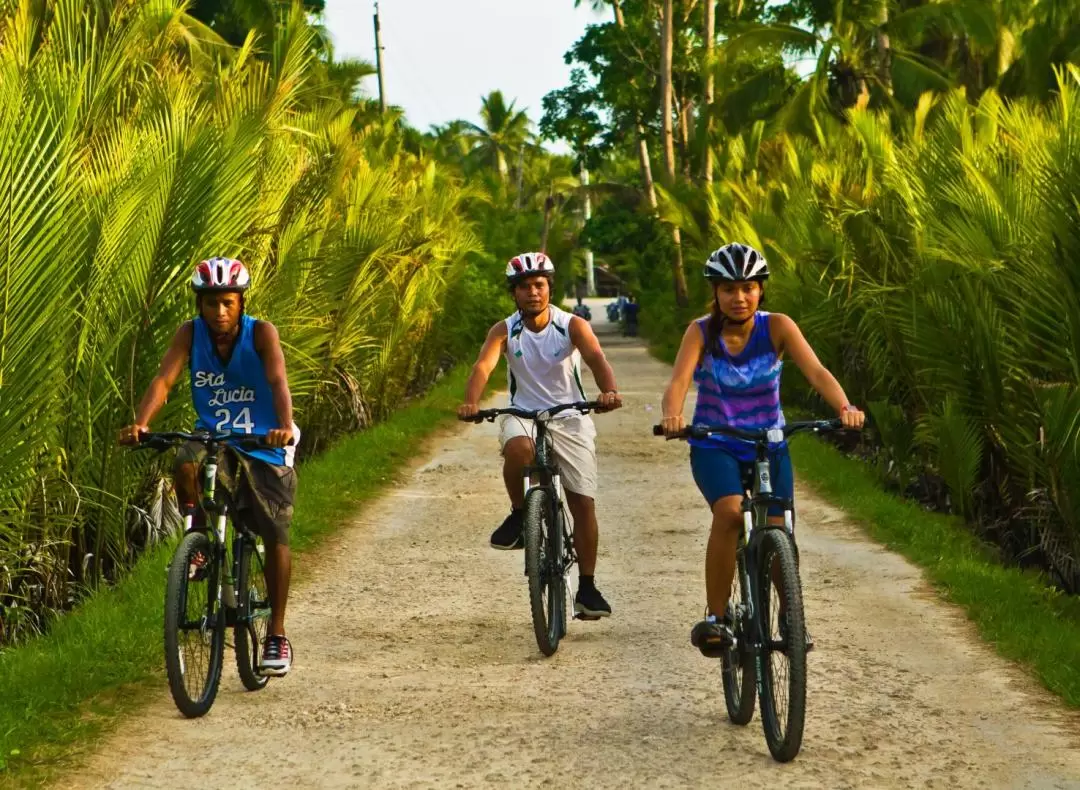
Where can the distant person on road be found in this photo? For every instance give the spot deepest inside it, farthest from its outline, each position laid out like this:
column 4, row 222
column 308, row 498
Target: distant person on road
column 735, row 355
column 630, row 316
column 544, row 347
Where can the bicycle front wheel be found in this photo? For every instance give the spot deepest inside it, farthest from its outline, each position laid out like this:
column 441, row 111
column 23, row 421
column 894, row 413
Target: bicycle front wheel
column 194, row 626
column 783, row 650
column 737, row 662
column 252, row 613
column 546, row 590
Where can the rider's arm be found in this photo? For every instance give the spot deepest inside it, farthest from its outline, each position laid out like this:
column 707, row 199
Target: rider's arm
column 584, row 340
column 268, row 346
column 485, row 363
column 172, row 365
column 682, row 376
column 788, row 339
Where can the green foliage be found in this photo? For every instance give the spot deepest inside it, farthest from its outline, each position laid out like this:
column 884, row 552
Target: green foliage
column 133, row 145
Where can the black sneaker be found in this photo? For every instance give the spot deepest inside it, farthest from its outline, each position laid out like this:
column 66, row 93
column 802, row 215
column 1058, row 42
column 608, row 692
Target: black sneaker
column 712, row 636
column 510, row 534
column 276, row 657
column 590, row 604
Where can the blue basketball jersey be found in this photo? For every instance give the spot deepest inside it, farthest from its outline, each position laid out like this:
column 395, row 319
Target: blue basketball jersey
column 234, row 397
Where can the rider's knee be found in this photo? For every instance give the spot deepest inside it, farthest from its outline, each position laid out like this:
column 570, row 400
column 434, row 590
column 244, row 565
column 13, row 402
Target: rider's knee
column 518, row 451
column 727, row 514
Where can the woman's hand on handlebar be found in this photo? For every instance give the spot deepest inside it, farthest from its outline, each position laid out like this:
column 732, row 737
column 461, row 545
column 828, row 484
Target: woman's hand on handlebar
column 673, row 425
column 852, row 417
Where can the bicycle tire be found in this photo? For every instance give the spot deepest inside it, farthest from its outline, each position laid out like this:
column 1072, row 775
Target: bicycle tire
column 252, row 615
column 783, row 729
column 557, row 599
column 737, row 663
column 177, row 595
column 537, row 566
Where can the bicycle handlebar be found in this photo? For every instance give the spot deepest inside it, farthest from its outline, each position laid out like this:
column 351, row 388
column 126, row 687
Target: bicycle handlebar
column 757, row 436
column 538, row 414
column 163, row 440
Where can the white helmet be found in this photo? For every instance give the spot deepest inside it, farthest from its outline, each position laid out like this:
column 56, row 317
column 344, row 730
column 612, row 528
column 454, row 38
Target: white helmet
column 220, row 274
column 529, row 264
column 736, row 263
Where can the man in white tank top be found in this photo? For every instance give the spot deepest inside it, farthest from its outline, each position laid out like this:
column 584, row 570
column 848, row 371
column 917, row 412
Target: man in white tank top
column 544, row 347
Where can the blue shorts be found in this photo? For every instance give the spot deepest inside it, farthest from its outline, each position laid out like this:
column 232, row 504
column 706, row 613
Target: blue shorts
column 718, row 473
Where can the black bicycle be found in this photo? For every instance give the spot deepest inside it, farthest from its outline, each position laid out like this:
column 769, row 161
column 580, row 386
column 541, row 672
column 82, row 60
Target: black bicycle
column 549, row 531
column 766, row 604
column 206, row 593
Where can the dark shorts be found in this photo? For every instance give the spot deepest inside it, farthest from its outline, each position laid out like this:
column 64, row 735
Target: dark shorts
column 718, row 474
column 256, row 492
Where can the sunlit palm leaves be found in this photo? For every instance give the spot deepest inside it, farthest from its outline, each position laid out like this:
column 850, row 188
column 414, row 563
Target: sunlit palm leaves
column 132, row 144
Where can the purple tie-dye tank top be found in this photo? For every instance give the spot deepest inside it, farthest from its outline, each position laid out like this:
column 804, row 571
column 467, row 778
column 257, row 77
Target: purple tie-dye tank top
column 741, row 390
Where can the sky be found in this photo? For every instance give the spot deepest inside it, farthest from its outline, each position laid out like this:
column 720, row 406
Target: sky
column 441, row 56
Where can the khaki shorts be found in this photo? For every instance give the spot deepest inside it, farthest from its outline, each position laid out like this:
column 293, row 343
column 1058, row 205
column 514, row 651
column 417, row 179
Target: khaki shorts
column 574, row 440
column 260, row 493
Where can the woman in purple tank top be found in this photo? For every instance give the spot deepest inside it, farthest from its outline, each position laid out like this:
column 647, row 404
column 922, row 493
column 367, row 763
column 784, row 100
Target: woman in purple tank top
column 735, row 355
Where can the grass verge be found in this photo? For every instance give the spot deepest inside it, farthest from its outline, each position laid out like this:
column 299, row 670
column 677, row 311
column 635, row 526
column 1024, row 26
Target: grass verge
column 1016, row 611
column 63, row 689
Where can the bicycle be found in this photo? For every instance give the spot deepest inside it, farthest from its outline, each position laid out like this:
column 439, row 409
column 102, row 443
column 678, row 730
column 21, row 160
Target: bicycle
column 235, row 595
column 549, row 532
column 766, row 555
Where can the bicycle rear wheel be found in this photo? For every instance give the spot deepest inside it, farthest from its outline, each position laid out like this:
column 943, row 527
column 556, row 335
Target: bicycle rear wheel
column 194, row 626
column 546, row 591
column 737, row 663
column 783, row 654
column 252, row 613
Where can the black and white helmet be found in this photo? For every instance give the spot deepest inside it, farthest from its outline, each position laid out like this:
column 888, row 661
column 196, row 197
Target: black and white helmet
column 736, row 262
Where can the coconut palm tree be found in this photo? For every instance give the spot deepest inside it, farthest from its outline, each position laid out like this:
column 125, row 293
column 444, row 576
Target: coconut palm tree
column 502, row 133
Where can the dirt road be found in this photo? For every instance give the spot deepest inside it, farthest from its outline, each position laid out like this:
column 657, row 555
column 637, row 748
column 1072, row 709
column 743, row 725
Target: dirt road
column 416, row 664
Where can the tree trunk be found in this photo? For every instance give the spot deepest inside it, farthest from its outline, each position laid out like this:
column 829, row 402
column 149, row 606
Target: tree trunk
column 686, row 112
column 667, row 139
column 646, row 166
column 668, row 142
column 710, row 88
column 642, row 139
column 500, row 161
column 549, row 205
column 884, row 51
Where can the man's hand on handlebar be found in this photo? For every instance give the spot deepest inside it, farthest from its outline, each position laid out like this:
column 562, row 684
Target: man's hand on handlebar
column 609, row 401
column 467, row 410
column 131, row 433
column 279, row 437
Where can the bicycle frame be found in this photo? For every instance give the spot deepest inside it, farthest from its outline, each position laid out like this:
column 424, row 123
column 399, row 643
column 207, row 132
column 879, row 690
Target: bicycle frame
column 548, row 473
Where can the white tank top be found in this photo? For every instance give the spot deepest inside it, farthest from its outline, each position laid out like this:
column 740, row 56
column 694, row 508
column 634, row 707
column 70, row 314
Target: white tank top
column 543, row 368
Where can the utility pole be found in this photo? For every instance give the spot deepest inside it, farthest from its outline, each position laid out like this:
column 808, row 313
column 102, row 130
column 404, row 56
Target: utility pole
column 590, row 274
column 378, row 61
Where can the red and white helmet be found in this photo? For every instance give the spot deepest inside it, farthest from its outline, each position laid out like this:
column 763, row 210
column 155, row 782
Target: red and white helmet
column 220, row 274
column 529, row 264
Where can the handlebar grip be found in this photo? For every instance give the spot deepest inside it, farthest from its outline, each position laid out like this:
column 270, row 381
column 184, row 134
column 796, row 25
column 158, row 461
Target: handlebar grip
column 658, row 430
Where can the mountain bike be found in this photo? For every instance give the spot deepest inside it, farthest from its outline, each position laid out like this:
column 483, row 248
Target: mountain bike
column 766, row 604
column 549, row 531
column 206, row 593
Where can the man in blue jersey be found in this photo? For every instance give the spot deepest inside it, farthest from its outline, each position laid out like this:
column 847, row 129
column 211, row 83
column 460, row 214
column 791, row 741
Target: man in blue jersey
column 238, row 385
